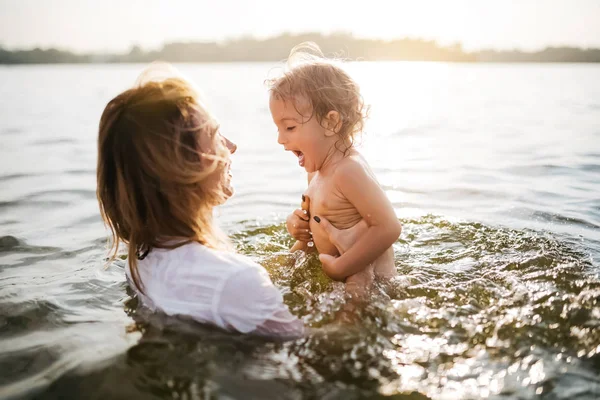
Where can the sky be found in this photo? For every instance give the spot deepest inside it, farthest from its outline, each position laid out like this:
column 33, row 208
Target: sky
column 116, row 25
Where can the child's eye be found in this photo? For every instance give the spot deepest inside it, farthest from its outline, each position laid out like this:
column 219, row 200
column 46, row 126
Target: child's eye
column 291, row 128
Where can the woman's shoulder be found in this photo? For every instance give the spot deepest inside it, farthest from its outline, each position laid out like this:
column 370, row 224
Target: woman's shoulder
column 217, row 286
column 195, row 254
column 192, row 273
column 192, row 265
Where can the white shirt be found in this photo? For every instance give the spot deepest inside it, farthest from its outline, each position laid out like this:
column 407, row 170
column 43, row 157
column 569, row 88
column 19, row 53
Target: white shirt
column 218, row 287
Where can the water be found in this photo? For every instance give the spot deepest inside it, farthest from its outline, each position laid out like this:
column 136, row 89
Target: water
column 494, row 171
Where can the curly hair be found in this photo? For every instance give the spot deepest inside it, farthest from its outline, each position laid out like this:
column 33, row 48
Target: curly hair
column 326, row 86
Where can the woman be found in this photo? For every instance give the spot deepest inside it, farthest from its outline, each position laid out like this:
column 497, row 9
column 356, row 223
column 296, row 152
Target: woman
column 162, row 167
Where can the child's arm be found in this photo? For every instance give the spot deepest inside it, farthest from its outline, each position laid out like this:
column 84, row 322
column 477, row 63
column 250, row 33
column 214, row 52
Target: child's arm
column 364, row 192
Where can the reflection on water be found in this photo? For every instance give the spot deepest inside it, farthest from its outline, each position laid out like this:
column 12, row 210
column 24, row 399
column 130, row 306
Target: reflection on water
column 493, row 172
column 477, row 311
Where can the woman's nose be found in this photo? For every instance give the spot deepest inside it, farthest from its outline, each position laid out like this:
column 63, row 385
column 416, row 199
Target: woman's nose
column 232, row 147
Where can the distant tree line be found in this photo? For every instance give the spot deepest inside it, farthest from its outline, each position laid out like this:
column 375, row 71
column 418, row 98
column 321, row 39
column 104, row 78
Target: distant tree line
column 277, row 48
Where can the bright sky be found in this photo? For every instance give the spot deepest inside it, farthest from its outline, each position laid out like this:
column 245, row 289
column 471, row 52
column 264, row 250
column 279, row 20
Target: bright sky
column 115, row 25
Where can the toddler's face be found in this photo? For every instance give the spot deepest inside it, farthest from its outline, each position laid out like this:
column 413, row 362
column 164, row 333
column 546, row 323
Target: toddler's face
column 300, row 133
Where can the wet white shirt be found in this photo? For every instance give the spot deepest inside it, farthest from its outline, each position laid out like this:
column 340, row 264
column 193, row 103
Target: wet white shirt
column 218, row 287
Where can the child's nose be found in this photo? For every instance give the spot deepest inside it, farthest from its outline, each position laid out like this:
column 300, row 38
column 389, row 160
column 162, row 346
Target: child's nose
column 281, row 138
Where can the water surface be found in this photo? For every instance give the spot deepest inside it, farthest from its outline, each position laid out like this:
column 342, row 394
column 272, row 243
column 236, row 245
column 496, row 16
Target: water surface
column 493, row 170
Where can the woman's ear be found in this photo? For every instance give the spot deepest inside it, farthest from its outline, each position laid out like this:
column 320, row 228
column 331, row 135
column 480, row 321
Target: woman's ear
column 333, row 123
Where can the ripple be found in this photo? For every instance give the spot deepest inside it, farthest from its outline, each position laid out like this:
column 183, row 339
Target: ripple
column 8, row 242
column 501, row 304
column 45, row 253
column 59, row 141
column 561, row 219
column 50, row 199
column 589, row 167
column 13, row 244
column 84, row 193
column 7, row 178
column 11, row 131
column 24, row 317
column 540, row 170
column 472, row 303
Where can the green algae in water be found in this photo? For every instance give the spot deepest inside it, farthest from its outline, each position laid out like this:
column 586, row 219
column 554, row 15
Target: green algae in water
column 497, row 310
column 476, row 311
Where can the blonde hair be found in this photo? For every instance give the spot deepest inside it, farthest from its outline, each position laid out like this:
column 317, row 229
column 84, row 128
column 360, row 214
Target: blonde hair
column 326, row 87
column 152, row 171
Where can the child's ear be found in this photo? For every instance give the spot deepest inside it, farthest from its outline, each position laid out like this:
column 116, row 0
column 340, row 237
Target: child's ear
column 333, row 123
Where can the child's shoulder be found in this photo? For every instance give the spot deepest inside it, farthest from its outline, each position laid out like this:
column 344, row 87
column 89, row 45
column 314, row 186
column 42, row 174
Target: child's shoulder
column 353, row 166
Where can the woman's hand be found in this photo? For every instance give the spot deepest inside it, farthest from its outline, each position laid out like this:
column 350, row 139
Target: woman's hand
column 342, row 239
column 297, row 222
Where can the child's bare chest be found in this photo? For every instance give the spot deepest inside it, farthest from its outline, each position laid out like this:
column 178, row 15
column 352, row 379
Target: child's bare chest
column 328, row 201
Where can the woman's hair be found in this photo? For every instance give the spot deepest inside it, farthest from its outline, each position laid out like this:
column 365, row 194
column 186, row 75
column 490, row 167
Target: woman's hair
column 311, row 77
column 152, row 172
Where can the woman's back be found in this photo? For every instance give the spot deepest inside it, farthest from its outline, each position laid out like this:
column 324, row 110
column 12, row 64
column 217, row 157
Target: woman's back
column 218, row 287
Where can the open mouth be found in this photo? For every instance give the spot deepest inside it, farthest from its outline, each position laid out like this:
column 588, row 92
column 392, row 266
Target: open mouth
column 300, row 156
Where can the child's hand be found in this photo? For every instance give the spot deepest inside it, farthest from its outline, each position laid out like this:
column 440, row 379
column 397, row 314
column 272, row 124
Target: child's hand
column 297, row 222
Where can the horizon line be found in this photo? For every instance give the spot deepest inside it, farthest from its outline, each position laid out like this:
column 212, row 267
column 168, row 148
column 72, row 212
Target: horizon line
column 235, row 38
